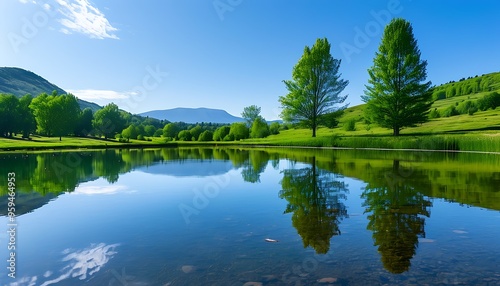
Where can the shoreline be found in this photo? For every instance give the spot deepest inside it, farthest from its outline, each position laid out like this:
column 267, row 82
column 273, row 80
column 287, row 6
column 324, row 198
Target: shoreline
column 212, row 144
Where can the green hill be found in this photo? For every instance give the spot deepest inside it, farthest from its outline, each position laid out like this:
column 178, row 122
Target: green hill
column 469, row 92
column 19, row 82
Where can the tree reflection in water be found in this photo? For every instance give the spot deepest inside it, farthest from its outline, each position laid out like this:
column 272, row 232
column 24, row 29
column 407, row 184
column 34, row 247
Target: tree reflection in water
column 398, row 209
column 315, row 198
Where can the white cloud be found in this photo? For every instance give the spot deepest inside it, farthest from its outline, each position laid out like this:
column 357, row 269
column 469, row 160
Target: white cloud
column 96, row 94
column 80, row 264
column 98, row 190
column 80, row 16
column 85, row 263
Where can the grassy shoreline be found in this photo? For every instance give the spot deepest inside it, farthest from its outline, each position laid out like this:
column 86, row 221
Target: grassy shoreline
column 476, row 142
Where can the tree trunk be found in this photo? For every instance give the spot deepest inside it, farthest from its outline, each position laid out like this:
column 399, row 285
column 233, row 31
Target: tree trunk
column 396, row 131
column 314, row 131
column 60, row 138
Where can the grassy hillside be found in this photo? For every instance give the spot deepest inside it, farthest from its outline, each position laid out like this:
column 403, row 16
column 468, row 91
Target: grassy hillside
column 19, row 82
column 480, row 120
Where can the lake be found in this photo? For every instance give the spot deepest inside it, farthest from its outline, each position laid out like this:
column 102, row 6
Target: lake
column 275, row 216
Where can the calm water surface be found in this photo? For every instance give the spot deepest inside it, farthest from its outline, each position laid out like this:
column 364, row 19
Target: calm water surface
column 202, row 217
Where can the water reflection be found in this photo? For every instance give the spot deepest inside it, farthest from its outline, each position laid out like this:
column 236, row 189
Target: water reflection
column 315, row 198
column 397, row 210
column 79, row 264
column 397, row 197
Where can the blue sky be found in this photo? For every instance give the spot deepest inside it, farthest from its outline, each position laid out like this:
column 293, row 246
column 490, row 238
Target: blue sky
column 228, row 54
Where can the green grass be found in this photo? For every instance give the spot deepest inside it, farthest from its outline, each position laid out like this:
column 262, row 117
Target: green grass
column 477, row 132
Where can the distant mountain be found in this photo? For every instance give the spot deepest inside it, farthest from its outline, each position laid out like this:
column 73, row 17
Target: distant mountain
column 193, row 115
column 20, row 82
column 189, row 168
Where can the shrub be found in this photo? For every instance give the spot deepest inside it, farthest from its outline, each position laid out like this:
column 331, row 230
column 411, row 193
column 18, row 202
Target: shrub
column 274, row 128
column 229, row 137
column 467, row 107
column 350, row 125
column 158, row 133
column 140, row 137
column 439, row 94
column 490, row 100
column 434, row 113
column 450, row 111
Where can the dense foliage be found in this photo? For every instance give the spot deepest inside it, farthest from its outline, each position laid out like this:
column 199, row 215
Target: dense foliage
column 396, row 94
column 315, row 87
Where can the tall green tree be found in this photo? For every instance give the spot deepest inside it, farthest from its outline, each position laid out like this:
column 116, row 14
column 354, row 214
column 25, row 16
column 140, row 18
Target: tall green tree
column 250, row 113
column 259, row 128
column 396, row 94
column 108, row 121
column 65, row 110
column 43, row 116
column 27, row 123
column 315, row 87
column 84, row 125
column 8, row 114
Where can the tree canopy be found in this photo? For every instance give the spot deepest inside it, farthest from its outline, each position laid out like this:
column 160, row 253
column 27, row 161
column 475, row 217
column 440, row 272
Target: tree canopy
column 250, row 113
column 108, row 121
column 396, row 94
column 315, row 87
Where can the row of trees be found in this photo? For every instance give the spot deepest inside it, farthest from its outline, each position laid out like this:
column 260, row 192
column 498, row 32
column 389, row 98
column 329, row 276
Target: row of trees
column 468, row 86
column 397, row 95
column 488, row 101
column 255, row 126
column 60, row 115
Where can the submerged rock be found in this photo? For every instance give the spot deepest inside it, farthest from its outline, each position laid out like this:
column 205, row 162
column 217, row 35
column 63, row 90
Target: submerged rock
column 251, row 283
column 188, row 268
column 327, row 280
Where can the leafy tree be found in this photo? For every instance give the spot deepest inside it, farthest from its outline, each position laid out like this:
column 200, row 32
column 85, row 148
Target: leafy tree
column 315, row 87
column 55, row 115
column 221, row 132
column 158, row 132
column 8, row 114
column 259, row 129
column 149, row 130
column 131, row 132
column 206, row 135
column 196, row 131
column 185, row 135
column 84, row 125
column 250, row 113
column 26, row 120
column 44, row 118
column 108, row 121
column 170, row 130
column 395, row 95
column 65, row 110
column 274, row 128
column 238, row 131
